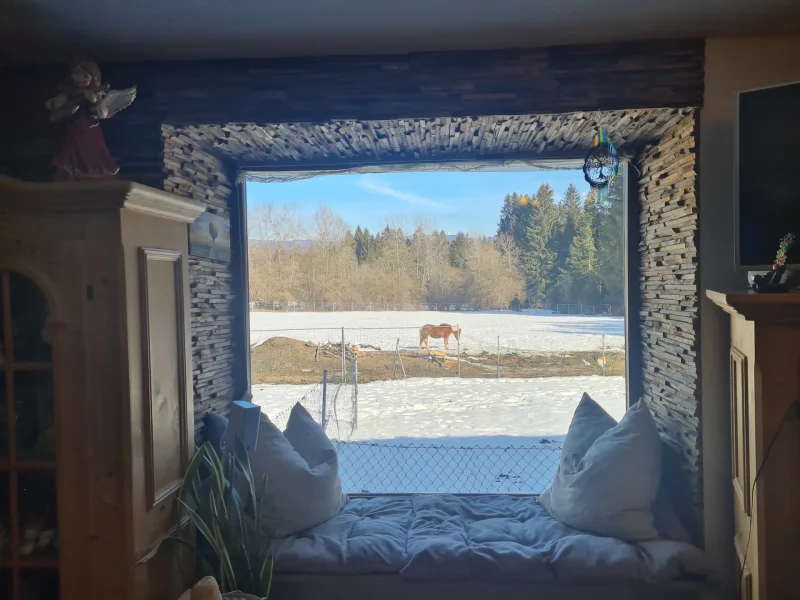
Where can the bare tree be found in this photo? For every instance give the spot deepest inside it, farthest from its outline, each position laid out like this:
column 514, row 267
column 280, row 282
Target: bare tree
column 510, row 251
column 274, row 235
column 290, row 261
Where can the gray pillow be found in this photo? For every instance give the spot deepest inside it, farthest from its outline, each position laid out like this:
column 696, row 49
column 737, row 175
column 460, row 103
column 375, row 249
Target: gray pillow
column 304, row 488
column 307, row 437
column 609, row 473
column 215, row 426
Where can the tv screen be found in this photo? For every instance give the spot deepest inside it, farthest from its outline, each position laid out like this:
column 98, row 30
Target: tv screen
column 768, row 173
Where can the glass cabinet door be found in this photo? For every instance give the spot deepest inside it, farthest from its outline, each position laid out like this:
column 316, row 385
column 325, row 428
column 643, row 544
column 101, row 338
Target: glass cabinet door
column 28, row 491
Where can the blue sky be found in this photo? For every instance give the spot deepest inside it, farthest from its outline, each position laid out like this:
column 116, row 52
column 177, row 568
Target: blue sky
column 452, row 201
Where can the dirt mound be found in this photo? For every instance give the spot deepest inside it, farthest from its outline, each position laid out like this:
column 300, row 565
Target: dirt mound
column 286, row 360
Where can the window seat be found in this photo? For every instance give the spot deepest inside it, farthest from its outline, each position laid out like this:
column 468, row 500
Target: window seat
column 441, row 539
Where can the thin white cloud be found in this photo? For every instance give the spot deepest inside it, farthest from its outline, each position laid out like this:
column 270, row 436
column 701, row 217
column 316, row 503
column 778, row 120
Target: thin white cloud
column 410, row 198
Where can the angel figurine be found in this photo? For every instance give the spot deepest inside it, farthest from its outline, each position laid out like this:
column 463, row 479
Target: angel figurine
column 83, row 101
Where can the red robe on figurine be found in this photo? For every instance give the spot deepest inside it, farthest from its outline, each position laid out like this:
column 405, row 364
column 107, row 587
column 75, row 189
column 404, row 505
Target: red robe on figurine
column 83, row 154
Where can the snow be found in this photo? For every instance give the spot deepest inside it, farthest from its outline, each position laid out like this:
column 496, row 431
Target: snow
column 454, row 435
column 518, row 332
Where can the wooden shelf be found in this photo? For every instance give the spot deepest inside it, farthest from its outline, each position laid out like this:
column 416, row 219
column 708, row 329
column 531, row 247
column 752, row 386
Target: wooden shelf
column 767, row 308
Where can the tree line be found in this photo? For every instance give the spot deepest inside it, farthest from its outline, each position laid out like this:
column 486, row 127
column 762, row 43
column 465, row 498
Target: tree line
column 569, row 251
column 544, row 251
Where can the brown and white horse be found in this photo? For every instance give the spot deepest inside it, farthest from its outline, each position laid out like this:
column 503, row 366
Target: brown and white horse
column 438, row 332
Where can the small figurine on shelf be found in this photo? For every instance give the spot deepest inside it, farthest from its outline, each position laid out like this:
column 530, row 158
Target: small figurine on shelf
column 83, row 101
column 771, row 282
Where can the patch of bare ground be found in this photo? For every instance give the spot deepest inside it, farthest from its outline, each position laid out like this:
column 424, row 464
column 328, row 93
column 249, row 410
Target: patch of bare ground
column 286, row 360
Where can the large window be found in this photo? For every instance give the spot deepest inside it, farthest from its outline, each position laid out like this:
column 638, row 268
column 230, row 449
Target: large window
column 441, row 325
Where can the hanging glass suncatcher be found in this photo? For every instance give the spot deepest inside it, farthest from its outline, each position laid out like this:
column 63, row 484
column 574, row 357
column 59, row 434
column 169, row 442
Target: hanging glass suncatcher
column 601, row 164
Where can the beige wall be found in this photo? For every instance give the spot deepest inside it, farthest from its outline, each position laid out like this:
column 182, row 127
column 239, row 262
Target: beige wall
column 732, row 64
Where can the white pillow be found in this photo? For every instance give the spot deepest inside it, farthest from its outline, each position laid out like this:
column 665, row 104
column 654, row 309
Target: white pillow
column 303, row 488
column 608, row 476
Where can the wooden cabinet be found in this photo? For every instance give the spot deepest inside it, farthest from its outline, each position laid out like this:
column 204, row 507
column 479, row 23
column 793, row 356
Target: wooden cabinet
column 96, row 407
column 765, row 436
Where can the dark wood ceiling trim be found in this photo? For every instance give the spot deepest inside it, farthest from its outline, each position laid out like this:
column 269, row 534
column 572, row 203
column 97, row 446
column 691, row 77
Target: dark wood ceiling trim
column 446, row 84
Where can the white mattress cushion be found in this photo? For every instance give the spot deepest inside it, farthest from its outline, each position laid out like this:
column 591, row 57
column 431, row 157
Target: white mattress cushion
column 433, row 537
column 609, row 473
column 304, row 488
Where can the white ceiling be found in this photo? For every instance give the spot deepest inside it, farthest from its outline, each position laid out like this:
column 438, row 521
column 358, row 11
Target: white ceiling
column 50, row 30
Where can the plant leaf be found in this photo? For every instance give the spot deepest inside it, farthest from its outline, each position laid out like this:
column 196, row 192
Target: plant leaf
column 172, row 539
column 204, row 528
column 240, row 522
column 265, row 577
column 190, row 478
column 215, row 464
column 225, row 562
column 243, row 460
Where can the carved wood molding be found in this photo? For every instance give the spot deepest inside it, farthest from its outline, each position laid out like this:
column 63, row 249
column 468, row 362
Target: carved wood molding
column 765, row 308
column 97, row 196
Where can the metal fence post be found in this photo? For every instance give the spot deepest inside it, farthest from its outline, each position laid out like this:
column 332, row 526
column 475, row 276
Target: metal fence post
column 458, row 351
column 355, row 393
column 498, row 357
column 604, row 354
column 344, row 362
column 324, row 419
column 396, row 354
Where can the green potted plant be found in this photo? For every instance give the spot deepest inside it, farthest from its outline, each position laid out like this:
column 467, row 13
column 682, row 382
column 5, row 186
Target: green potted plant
column 221, row 499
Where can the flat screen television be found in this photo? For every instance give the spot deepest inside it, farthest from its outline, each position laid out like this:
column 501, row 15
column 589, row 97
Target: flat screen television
column 767, row 203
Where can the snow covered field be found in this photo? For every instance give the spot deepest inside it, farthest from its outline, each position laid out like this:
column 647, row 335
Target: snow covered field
column 527, row 331
column 456, row 435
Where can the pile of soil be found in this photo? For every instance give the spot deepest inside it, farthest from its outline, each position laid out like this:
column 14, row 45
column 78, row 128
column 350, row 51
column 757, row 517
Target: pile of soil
column 286, row 360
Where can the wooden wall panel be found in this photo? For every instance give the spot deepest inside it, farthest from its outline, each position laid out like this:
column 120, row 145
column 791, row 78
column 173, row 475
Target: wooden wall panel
column 434, row 84
column 164, row 395
column 740, row 432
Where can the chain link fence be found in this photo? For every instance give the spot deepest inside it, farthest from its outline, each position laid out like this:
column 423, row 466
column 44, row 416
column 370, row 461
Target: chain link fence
column 449, row 467
column 332, row 403
column 413, row 468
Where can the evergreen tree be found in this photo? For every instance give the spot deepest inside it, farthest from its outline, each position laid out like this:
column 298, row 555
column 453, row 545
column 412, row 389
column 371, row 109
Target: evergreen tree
column 508, row 215
column 539, row 257
column 582, row 280
column 570, row 215
column 362, row 244
column 593, row 213
column 459, row 248
column 610, row 246
column 515, row 218
column 581, row 260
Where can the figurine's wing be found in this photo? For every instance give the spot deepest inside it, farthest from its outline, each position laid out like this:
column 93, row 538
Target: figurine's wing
column 115, row 100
